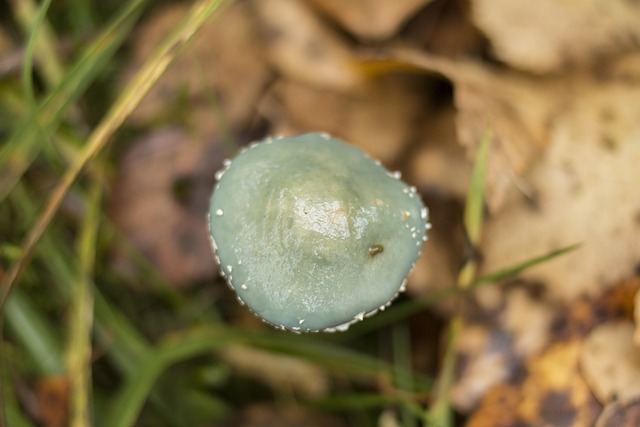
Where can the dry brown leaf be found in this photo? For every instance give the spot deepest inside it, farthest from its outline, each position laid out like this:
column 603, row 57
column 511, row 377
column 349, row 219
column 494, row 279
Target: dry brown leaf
column 497, row 408
column 159, row 201
column 495, row 343
column 585, row 190
column 445, row 28
column 52, row 394
column 484, row 359
column 440, row 163
column 554, row 393
column 549, row 35
column 582, row 315
column 370, row 19
column 551, row 394
column 437, row 267
column 611, row 364
column 434, row 271
column 223, row 69
column 438, row 167
column 378, row 117
column 515, row 325
column 528, row 321
column 636, row 316
column 304, row 48
column 515, row 109
column 618, row 415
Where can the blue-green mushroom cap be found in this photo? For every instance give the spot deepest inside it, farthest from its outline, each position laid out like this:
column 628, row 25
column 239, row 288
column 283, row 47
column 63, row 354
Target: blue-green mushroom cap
column 312, row 234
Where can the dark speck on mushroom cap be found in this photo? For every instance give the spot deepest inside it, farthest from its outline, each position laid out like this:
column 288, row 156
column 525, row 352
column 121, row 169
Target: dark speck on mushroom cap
column 293, row 222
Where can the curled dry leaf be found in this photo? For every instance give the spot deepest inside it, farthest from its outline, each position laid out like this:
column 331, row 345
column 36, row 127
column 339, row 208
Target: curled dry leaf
column 611, row 363
column 304, row 48
column 222, row 69
column 377, row 117
column 584, row 189
column 549, row 35
column 445, row 28
column 159, row 202
column 370, row 19
column 514, row 108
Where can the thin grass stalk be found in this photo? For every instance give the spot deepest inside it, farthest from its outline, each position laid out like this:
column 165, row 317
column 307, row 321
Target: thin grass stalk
column 439, row 413
column 149, row 73
column 81, row 315
column 403, row 369
column 23, row 144
column 27, row 15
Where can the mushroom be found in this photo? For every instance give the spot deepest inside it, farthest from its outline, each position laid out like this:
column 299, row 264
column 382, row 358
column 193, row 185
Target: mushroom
column 312, row 234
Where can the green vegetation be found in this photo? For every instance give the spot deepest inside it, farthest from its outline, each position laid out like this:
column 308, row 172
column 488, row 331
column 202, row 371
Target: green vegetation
column 146, row 355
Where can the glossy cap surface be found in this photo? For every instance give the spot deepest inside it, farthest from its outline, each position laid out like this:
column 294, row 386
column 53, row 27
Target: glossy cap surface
column 313, row 234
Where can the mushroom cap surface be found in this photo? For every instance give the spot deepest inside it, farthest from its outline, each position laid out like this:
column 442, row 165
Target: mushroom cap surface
column 312, row 234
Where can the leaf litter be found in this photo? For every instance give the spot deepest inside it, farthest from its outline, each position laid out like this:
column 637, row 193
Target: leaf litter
column 561, row 104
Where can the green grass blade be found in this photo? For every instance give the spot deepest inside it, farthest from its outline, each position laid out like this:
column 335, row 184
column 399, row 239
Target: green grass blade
column 128, row 403
column 13, row 412
column 27, row 68
column 127, row 348
column 474, row 207
column 439, row 413
column 124, row 105
column 365, row 400
column 27, row 15
column 125, row 342
column 23, row 144
column 519, row 268
column 81, row 16
column 402, row 369
column 27, row 62
column 78, row 353
column 333, row 357
column 34, row 333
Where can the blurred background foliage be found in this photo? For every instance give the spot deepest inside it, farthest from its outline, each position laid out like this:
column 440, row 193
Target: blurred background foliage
column 115, row 115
